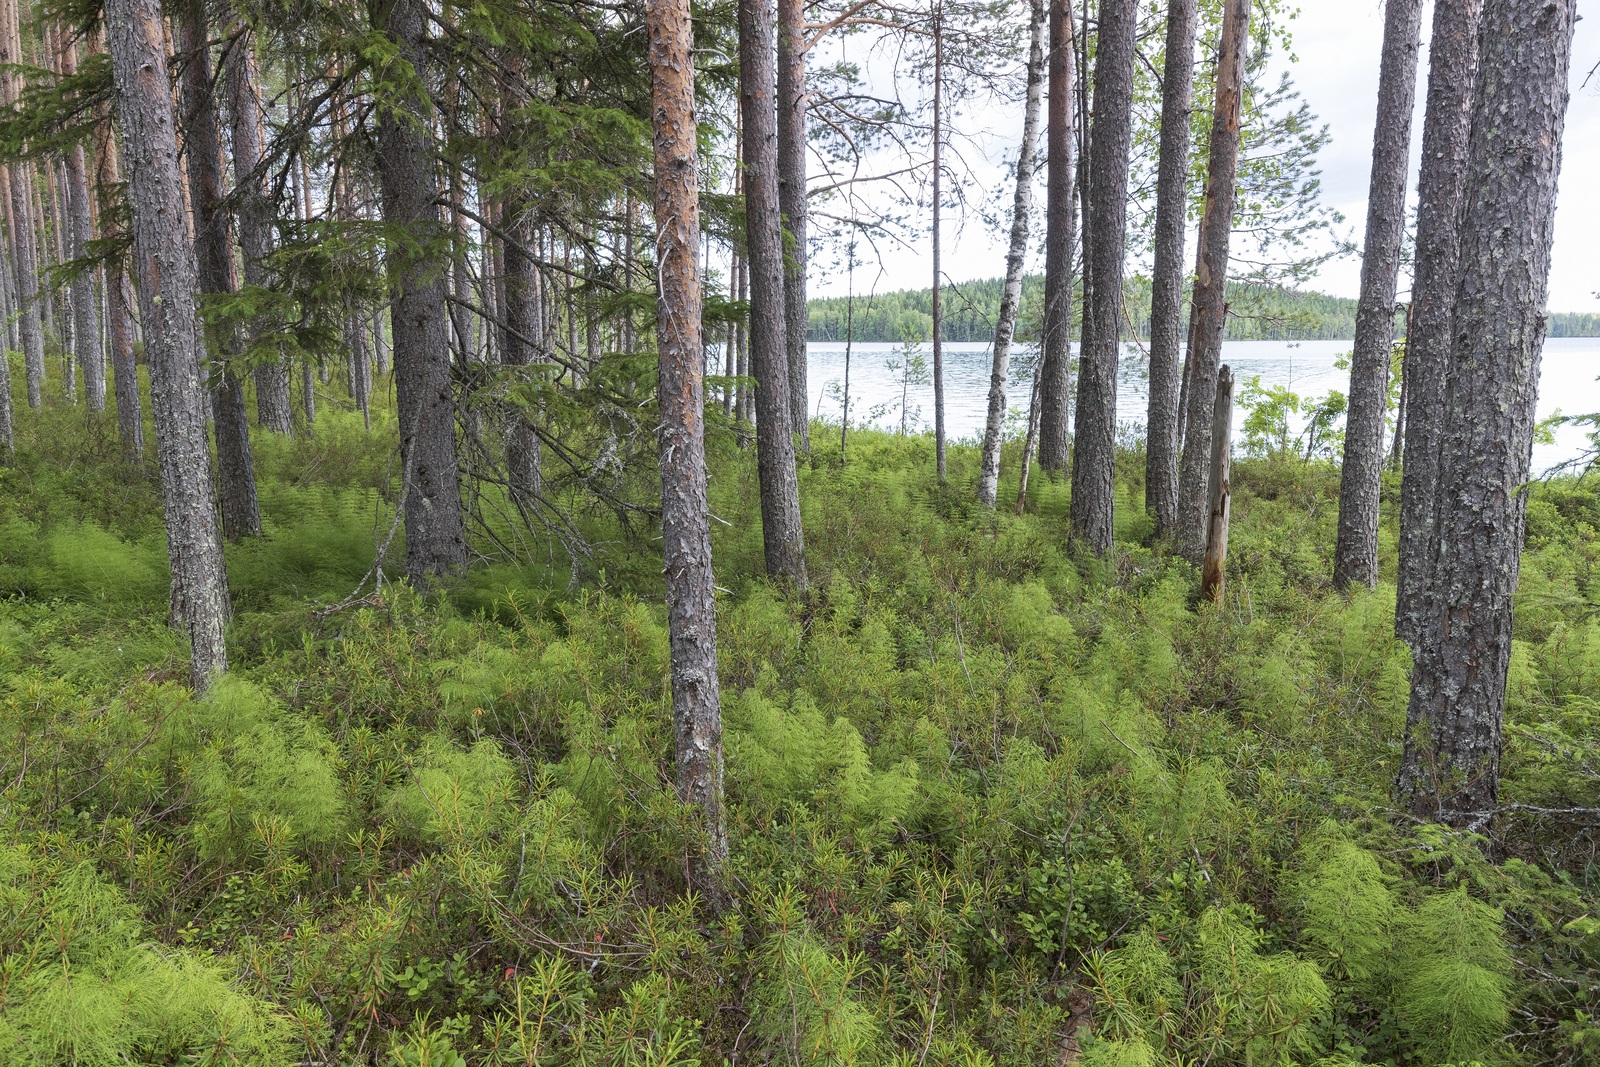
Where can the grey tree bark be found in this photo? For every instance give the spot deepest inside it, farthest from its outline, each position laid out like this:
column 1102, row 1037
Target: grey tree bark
column 1011, row 296
column 1095, row 429
column 685, row 514
column 1355, row 553
column 1451, row 767
column 124, row 371
column 1441, row 185
column 167, row 289
column 780, row 488
column 1055, row 350
column 1167, row 275
column 25, row 268
column 938, row 276
column 792, row 105
column 436, row 538
column 79, row 227
column 274, row 410
column 241, row 513
column 521, row 347
column 8, row 442
column 1208, row 304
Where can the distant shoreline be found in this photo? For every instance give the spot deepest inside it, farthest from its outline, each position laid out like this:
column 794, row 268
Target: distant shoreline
column 1257, row 313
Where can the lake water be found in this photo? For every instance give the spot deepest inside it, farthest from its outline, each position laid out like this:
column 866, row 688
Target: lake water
column 1567, row 382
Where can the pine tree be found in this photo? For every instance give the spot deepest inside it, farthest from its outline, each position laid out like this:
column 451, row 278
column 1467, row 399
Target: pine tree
column 1450, row 772
column 1355, row 555
column 168, row 288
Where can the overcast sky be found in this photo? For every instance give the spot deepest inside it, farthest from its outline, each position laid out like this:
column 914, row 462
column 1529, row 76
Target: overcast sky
column 1337, row 43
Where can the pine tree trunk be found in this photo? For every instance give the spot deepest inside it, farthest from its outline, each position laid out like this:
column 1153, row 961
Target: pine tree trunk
column 241, row 514
column 8, row 443
column 1011, row 295
column 119, row 316
column 51, row 220
column 80, row 231
column 1166, row 277
column 25, row 269
column 274, row 410
column 685, row 515
column 1208, row 304
column 792, row 105
column 1055, row 350
column 1355, row 554
column 124, row 369
column 1095, row 433
column 780, row 488
column 1441, row 185
column 167, row 292
column 1451, row 767
column 436, row 539
column 521, row 347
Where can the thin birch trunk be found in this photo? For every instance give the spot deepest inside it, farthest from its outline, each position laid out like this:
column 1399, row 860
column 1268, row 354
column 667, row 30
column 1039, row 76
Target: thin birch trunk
column 1011, row 296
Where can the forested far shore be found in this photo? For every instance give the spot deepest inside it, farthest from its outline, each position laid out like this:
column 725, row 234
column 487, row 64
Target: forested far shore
column 970, row 309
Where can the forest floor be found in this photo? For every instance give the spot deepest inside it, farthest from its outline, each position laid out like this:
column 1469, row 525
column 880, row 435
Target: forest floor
column 990, row 802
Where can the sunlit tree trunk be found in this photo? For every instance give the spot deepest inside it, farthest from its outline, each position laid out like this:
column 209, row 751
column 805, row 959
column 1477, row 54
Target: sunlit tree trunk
column 1016, row 255
column 1055, row 350
column 241, row 514
column 685, row 515
column 1451, row 767
column 775, row 461
column 1355, row 553
column 1441, row 184
column 165, row 263
column 1166, row 276
column 1208, row 304
column 436, row 540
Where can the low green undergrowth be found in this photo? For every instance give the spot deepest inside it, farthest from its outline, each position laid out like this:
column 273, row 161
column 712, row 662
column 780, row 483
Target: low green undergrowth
column 991, row 803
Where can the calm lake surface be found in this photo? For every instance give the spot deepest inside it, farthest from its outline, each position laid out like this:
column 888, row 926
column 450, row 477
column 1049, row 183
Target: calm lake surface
column 1567, row 382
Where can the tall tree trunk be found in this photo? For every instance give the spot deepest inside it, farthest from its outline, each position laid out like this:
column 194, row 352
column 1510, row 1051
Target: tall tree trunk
column 1208, row 305
column 522, row 347
column 1355, row 554
column 124, row 368
column 780, row 487
column 1095, row 434
column 1055, row 351
column 938, row 276
column 792, row 105
column 741, row 347
column 241, row 514
column 8, row 444
column 1441, row 186
column 685, row 514
column 167, row 290
column 25, row 268
column 80, row 231
column 1166, row 277
column 1011, row 295
column 1451, row 767
column 436, row 538
column 274, row 410
column 119, row 320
